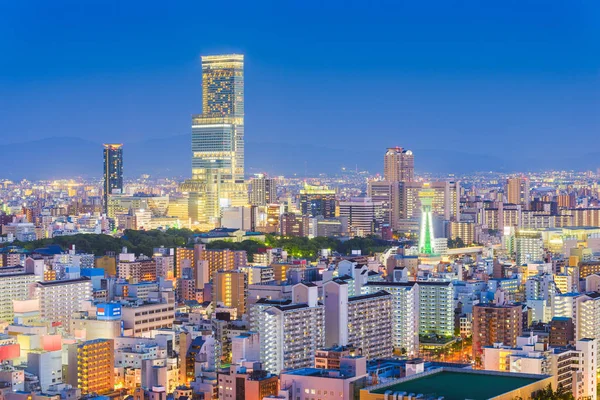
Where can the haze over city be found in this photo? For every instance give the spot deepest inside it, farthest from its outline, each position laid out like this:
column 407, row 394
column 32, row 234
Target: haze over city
column 463, row 84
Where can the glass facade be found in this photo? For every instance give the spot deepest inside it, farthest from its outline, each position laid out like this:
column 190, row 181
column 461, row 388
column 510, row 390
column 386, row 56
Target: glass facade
column 113, row 171
column 218, row 139
column 218, row 133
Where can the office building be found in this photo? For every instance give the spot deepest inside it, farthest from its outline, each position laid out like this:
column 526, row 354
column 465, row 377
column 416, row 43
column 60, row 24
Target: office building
column 317, row 200
column 218, row 140
column 91, row 366
column 263, row 190
column 398, row 165
column 143, row 318
column 562, row 332
column 291, row 224
column 364, row 216
column 445, row 203
column 387, row 193
column 113, row 171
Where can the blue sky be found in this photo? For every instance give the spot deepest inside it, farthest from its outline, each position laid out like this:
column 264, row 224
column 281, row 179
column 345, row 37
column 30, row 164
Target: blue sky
column 518, row 80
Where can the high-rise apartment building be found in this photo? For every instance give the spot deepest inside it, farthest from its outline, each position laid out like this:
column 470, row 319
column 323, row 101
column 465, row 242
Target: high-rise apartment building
column 529, row 246
column 587, row 317
column 59, row 300
column 363, row 322
column 405, row 314
column 184, row 258
column 290, row 332
column 15, row 286
column 436, row 308
column 517, row 191
column 231, row 290
column 263, row 190
column 113, row 171
column 91, row 366
column 218, row 140
column 208, row 262
column 398, row 165
column 494, row 323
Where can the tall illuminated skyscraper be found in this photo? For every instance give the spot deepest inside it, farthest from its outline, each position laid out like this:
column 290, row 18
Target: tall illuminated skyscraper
column 426, row 237
column 113, row 171
column 218, row 140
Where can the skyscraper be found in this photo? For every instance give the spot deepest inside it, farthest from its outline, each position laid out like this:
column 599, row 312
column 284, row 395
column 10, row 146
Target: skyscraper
column 398, row 165
column 113, row 171
column 218, row 140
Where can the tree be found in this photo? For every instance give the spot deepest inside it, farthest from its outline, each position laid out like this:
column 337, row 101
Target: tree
column 548, row 394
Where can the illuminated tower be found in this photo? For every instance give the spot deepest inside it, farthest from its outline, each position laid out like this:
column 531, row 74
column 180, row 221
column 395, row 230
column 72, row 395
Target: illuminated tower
column 426, row 237
column 218, row 133
column 218, row 139
column 113, row 171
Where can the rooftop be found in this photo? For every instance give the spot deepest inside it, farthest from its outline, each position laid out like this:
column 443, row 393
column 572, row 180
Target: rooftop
column 453, row 384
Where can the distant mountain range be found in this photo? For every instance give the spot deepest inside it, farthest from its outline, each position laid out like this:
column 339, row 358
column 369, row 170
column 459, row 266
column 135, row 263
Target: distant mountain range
column 62, row 157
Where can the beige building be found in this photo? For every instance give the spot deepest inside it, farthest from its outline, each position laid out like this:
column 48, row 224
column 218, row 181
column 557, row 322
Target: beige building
column 231, row 290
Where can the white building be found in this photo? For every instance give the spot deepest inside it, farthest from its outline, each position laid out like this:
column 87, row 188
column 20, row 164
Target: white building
column 364, row 321
column 60, row 299
column 47, row 366
column 405, row 314
column 436, row 308
column 572, row 368
column 15, row 286
column 290, row 331
column 363, row 214
column 145, row 317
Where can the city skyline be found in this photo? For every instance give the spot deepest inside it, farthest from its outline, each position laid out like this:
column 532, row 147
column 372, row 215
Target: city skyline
column 299, row 200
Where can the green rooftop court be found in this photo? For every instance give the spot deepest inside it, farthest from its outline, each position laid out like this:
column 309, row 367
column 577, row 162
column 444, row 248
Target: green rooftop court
column 455, row 384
